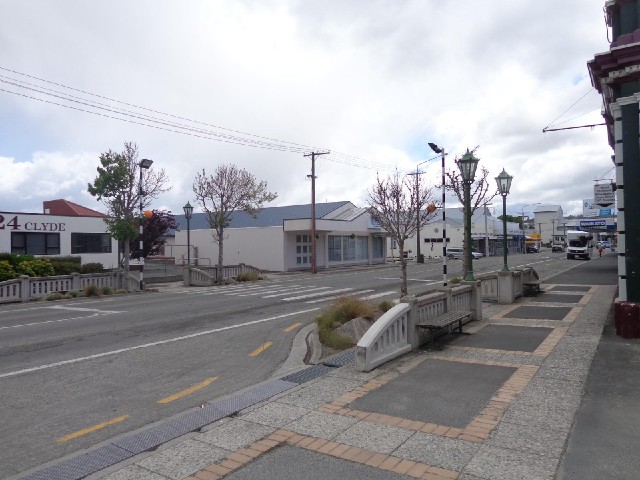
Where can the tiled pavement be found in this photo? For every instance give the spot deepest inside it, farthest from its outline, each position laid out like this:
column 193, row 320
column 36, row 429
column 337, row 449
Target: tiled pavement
column 480, row 407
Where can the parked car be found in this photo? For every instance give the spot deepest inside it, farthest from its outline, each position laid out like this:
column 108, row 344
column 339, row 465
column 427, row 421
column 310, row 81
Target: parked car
column 604, row 244
column 533, row 249
column 455, row 252
column 557, row 248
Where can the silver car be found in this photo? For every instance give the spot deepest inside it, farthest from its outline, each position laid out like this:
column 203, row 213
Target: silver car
column 455, row 252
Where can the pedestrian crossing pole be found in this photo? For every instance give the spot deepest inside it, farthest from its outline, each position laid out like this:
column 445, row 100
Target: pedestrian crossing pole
column 313, row 156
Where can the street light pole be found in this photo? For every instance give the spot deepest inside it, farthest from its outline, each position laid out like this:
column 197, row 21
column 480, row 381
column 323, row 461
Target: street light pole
column 440, row 150
column 188, row 213
column 468, row 164
column 145, row 163
column 504, row 185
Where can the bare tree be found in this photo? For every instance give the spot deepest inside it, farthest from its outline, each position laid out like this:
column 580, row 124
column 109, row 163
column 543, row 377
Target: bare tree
column 394, row 203
column 229, row 189
column 480, row 195
column 118, row 187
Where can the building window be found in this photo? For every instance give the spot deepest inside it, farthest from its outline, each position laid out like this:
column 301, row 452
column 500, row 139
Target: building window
column 348, row 248
column 378, row 247
column 31, row 243
column 90, row 243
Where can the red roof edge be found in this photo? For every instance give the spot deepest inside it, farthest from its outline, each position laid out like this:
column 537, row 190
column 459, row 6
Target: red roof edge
column 67, row 208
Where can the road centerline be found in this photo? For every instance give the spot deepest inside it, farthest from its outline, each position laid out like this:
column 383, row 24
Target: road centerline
column 152, row 344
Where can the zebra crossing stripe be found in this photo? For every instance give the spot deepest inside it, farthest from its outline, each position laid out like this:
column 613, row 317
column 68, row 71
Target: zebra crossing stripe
column 317, row 294
column 306, row 289
column 378, row 295
column 351, row 294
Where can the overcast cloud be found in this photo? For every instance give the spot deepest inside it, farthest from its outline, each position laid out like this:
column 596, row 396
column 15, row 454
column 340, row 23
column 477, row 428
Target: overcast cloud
column 372, row 79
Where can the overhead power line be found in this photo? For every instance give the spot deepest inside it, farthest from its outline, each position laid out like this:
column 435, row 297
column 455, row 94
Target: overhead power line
column 107, row 107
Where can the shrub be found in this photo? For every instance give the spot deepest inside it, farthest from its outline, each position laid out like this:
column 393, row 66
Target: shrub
column 107, row 291
column 91, row 291
column 455, row 280
column 120, row 291
column 54, row 296
column 73, row 294
column 249, row 277
column 66, row 268
column 92, row 267
column 6, row 271
column 343, row 310
column 385, row 305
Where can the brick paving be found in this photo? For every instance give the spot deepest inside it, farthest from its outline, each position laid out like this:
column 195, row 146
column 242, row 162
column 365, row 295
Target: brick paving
column 499, row 442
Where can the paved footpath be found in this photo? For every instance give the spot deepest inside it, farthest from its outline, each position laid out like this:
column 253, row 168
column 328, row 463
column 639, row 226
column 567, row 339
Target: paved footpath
column 500, row 402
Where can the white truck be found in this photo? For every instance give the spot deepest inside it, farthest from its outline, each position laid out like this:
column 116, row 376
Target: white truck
column 579, row 244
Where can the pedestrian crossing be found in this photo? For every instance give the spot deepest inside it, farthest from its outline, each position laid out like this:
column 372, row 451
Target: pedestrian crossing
column 287, row 293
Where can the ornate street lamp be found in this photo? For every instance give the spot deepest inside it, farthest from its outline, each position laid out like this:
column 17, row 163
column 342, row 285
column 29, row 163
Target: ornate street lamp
column 144, row 164
column 504, row 185
column 468, row 164
column 188, row 213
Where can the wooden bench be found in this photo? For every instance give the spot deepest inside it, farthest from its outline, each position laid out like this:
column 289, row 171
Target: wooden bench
column 531, row 288
column 445, row 320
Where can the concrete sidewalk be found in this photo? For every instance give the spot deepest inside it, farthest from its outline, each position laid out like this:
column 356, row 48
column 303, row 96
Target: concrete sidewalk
column 497, row 403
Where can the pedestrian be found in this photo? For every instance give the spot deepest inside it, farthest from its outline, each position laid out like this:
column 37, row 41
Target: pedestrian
column 600, row 250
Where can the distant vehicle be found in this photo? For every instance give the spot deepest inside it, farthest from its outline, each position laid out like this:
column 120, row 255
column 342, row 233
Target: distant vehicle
column 455, row 252
column 557, row 248
column 579, row 244
column 533, row 249
column 604, row 244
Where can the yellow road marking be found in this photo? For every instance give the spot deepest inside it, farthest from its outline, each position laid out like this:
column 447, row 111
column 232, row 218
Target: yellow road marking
column 84, row 431
column 292, row 327
column 188, row 391
column 261, row 349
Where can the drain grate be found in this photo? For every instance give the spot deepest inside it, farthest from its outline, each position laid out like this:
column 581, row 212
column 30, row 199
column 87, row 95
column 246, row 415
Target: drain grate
column 308, row 374
column 242, row 400
column 341, row 359
column 82, row 465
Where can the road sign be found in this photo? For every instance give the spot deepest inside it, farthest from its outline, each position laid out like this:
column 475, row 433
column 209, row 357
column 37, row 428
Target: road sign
column 604, row 194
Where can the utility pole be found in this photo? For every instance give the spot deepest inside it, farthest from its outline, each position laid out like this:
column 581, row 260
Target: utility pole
column 313, row 156
column 418, row 207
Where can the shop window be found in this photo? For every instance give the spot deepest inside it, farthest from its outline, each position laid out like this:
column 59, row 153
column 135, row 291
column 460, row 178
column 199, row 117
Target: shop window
column 32, row 243
column 90, row 243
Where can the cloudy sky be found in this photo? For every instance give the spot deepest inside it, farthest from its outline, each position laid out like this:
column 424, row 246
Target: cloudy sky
column 258, row 83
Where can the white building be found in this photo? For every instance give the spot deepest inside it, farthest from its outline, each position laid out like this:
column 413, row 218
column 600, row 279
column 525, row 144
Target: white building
column 486, row 233
column 547, row 222
column 279, row 239
column 65, row 228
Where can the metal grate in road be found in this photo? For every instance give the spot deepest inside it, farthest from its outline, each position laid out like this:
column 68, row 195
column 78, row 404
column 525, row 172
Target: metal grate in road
column 308, row 374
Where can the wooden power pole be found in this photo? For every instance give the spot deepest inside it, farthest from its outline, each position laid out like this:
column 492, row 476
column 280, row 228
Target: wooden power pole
column 313, row 156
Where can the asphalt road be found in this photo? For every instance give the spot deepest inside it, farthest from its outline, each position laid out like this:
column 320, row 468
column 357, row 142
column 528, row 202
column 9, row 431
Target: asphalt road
column 75, row 373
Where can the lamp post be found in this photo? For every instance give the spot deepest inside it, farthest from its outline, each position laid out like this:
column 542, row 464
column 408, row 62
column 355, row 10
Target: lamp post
column 145, row 163
column 504, row 185
column 188, row 213
column 468, row 164
column 440, row 150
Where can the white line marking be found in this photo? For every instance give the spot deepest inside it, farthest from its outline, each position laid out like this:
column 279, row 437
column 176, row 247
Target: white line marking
column 80, row 309
column 153, row 344
column 53, row 321
column 317, row 294
column 378, row 295
column 299, row 291
column 351, row 294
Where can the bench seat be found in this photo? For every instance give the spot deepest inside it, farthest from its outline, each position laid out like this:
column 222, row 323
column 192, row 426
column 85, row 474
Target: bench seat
column 445, row 320
column 532, row 287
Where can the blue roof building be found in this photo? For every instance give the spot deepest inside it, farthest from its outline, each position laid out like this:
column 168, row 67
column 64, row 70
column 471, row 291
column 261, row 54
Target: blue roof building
column 280, row 239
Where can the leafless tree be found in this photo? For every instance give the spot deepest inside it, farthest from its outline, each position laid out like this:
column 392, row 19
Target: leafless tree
column 481, row 193
column 394, row 204
column 227, row 190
